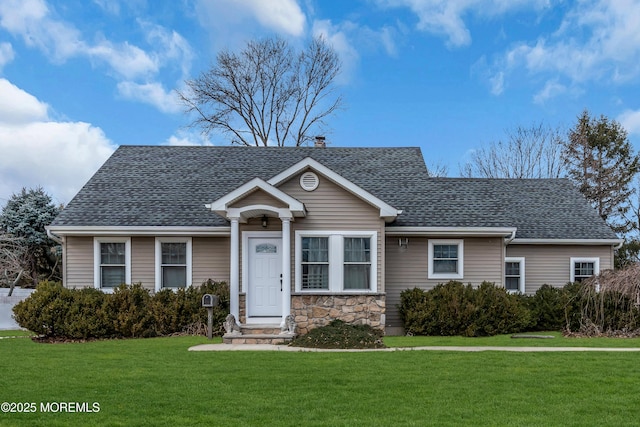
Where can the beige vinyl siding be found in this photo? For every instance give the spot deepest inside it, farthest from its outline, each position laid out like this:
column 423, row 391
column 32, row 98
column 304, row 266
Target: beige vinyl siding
column 258, row 197
column 406, row 269
column 143, row 254
column 79, row 262
column 210, row 259
column 332, row 208
column 550, row 264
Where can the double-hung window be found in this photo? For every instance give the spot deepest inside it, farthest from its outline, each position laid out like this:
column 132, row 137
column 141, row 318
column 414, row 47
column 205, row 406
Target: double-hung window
column 446, row 259
column 357, row 263
column 315, row 263
column 173, row 263
column 514, row 274
column 583, row 268
column 112, row 262
column 336, row 261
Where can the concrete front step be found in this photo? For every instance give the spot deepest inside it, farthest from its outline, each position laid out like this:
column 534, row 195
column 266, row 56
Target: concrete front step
column 260, row 329
column 258, row 334
column 258, row 339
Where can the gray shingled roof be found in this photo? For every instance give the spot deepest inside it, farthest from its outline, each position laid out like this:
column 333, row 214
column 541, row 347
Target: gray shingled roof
column 169, row 186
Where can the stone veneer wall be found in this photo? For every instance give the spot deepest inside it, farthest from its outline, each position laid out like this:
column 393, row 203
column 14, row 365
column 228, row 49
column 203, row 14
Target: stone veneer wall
column 243, row 309
column 312, row 311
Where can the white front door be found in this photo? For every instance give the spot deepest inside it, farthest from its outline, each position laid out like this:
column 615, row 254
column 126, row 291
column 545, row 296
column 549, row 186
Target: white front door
column 264, row 291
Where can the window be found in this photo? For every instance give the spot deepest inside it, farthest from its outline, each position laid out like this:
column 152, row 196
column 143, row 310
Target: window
column 112, row 262
column 583, row 268
column 336, row 261
column 446, row 259
column 315, row 263
column 514, row 275
column 173, row 263
column 357, row 263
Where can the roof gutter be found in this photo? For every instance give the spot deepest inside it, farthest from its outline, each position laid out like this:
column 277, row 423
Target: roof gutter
column 451, row 231
column 509, row 239
column 139, row 231
column 579, row 242
column 53, row 237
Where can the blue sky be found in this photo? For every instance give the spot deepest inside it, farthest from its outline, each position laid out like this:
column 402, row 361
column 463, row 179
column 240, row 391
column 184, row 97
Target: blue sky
column 80, row 77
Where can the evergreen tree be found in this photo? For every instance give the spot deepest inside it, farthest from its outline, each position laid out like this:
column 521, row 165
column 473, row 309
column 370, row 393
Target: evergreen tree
column 602, row 163
column 25, row 216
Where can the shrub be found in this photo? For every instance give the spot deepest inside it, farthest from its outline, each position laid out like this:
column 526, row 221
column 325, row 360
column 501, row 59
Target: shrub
column 56, row 312
column 498, row 312
column 455, row 309
column 45, row 311
column 128, row 308
column 548, row 308
column 87, row 316
column 338, row 334
column 607, row 311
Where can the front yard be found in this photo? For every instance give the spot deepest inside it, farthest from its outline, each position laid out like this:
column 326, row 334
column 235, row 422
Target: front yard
column 157, row 382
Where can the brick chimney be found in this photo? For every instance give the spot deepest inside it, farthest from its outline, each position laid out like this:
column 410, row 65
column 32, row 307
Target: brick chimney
column 320, row 142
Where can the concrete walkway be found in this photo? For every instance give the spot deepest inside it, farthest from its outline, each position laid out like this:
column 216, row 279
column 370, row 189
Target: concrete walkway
column 269, row 347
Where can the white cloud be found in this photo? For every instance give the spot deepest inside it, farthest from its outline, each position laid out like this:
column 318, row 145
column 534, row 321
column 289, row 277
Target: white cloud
column 152, row 94
column 233, row 17
column 59, row 156
column 598, row 40
column 6, row 54
column 172, row 48
column 279, row 15
column 110, row 6
column 188, row 139
column 128, row 61
column 551, row 89
column 18, row 107
column 445, row 18
column 338, row 39
column 39, row 28
column 497, row 83
column 630, row 120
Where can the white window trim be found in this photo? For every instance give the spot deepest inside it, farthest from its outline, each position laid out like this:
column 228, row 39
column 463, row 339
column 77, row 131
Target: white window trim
column 158, row 260
column 521, row 284
column 572, row 266
column 97, row 258
column 460, row 273
column 336, row 260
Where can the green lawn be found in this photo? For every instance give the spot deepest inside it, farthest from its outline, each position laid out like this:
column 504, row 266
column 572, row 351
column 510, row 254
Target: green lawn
column 157, row 382
column 507, row 341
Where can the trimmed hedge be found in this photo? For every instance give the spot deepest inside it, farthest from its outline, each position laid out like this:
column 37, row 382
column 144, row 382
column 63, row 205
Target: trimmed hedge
column 456, row 309
column 131, row 311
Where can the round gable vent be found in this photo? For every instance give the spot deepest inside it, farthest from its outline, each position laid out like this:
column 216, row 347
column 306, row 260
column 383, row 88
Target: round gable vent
column 309, row 181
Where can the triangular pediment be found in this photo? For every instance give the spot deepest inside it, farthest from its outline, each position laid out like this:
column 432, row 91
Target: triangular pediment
column 285, row 206
column 387, row 212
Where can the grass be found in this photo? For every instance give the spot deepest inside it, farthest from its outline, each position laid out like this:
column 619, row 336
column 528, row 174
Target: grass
column 156, row 382
column 507, row 341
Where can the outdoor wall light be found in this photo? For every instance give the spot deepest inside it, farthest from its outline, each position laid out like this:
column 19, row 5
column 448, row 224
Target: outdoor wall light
column 265, row 221
column 403, row 242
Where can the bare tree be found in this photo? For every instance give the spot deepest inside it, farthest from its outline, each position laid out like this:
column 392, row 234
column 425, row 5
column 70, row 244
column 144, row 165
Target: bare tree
column 437, row 170
column 267, row 94
column 529, row 152
column 13, row 262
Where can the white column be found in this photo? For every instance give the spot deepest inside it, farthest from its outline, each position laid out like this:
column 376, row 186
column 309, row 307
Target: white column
column 286, row 268
column 234, row 270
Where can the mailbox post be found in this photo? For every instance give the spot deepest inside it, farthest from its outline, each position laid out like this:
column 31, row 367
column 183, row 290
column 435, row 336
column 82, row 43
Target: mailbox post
column 209, row 301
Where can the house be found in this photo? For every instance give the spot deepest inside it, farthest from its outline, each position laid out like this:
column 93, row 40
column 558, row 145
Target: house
column 320, row 233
